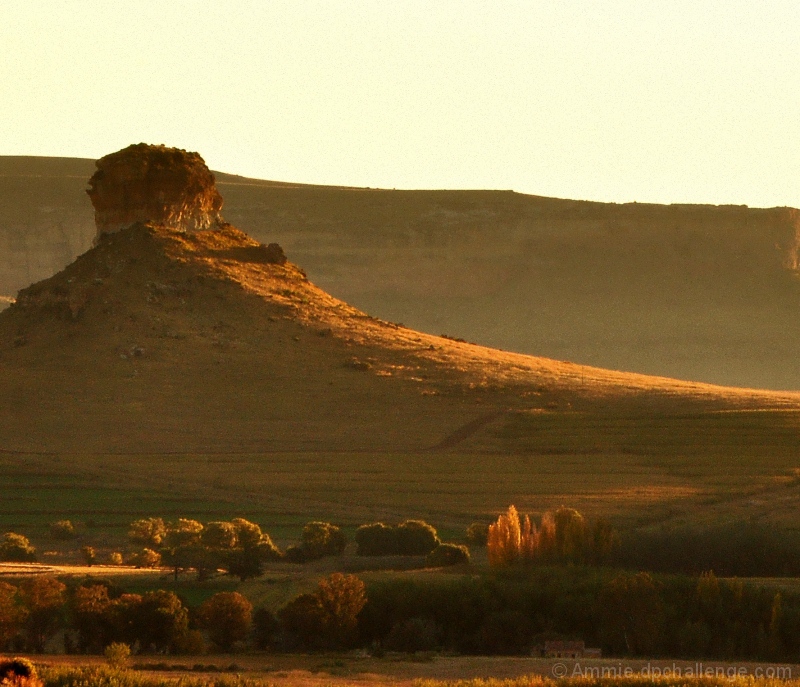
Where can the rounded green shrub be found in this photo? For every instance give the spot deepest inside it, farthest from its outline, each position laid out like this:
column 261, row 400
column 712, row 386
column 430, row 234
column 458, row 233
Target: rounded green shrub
column 16, row 548
column 416, row 538
column 63, row 530
column 448, row 554
column 376, row 539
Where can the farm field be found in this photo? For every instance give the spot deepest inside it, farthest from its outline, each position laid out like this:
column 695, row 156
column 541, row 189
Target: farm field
column 638, row 471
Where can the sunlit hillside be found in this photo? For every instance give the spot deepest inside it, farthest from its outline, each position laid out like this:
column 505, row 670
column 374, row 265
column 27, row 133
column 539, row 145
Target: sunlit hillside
column 694, row 292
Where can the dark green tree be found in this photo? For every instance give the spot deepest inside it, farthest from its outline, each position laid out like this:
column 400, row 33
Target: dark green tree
column 478, row 534
column 90, row 608
column 303, row 621
column 220, row 535
column 161, row 621
column 322, row 539
column 604, row 542
column 148, row 532
column 63, row 530
column 570, row 541
column 376, row 539
column 228, row 617
column 416, row 538
column 122, row 619
column 89, row 555
column 12, row 615
column 253, row 549
column 43, row 598
column 266, row 629
column 328, row 618
column 183, row 548
column 446, row 555
column 341, row 597
column 631, row 614
column 14, row 547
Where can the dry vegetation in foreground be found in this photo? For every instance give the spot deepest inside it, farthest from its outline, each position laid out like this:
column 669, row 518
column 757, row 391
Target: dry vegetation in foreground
column 316, row 671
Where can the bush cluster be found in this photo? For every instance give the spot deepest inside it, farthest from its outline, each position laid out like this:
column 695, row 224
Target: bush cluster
column 16, row 548
column 409, row 538
column 239, row 547
column 319, row 539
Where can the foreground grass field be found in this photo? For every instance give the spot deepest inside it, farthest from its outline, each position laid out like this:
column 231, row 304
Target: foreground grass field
column 248, row 671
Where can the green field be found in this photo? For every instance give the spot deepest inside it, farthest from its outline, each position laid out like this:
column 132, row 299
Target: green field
column 641, row 471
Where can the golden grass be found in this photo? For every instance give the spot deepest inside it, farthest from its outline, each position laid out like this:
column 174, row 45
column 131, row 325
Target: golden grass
column 411, row 671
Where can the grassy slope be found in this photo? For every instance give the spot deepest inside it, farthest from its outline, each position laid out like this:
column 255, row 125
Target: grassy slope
column 195, row 377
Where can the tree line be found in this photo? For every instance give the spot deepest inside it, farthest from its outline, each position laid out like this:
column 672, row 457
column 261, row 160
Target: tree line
column 240, row 548
column 565, row 536
column 93, row 616
column 514, row 610
column 508, row 611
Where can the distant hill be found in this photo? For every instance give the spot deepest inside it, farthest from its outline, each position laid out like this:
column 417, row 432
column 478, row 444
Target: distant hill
column 694, row 292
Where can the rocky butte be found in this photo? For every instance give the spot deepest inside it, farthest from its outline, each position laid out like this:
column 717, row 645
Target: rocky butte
column 168, row 186
column 154, row 183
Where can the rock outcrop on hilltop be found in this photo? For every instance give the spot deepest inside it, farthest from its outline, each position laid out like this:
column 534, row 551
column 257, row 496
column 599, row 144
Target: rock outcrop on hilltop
column 144, row 183
column 144, row 191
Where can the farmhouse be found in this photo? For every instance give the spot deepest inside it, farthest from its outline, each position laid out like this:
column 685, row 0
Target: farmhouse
column 569, row 649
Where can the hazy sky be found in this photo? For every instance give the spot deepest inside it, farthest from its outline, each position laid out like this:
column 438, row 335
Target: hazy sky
column 647, row 100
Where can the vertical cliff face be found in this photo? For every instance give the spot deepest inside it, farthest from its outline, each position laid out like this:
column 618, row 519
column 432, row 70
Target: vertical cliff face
column 791, row 248
column 154, row 183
